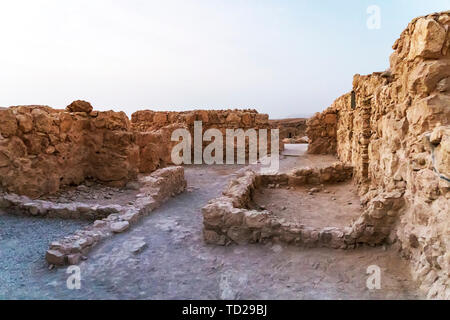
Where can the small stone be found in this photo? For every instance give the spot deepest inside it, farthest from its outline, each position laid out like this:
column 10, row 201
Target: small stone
column 54, row 257
column 80, row 106
column 118, row 227
column 83, row 243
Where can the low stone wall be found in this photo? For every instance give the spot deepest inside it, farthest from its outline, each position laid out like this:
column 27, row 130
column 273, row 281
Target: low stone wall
column 155, row 189
column 227, row 219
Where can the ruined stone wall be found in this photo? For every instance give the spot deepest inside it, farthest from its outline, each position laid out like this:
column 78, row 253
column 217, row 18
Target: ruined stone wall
column 396, row 135
column 228, row 219
column 43, row 149
column 321, row 131
column 168, row 121
column 292, row 129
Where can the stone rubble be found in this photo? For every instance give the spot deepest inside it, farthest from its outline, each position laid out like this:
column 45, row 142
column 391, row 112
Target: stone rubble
column 43, row 150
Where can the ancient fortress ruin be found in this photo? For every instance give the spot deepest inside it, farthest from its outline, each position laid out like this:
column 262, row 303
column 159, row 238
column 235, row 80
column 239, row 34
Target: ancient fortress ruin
column 390, row 136
column 393, row 129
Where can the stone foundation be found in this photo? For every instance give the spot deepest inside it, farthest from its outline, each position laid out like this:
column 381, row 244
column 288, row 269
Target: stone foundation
column 227, row 219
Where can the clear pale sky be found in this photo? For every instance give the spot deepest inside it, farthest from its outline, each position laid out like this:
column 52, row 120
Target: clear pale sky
column 285, row 58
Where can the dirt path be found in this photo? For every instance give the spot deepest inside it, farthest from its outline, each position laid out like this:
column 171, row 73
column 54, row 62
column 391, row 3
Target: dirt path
column 176, row 264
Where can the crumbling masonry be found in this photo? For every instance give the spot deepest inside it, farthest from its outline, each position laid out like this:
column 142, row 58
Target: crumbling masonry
column 393, row 129
column 396, row 135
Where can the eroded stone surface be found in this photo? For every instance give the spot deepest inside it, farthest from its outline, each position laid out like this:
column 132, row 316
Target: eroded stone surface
column 166, row 122
column 393, row 129
column 43, row 149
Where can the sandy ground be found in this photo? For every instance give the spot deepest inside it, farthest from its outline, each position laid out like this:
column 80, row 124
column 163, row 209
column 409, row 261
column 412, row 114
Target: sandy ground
column 333, row 206
column 176, row 263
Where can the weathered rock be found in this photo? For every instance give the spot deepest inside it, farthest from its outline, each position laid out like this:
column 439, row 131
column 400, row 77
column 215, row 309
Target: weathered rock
column 43, row 150
column 79, row 106
column 118, row 227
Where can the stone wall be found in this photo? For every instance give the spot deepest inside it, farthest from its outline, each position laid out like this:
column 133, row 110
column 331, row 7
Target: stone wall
column 43, row 149
column 396, row 134
column 168, row 121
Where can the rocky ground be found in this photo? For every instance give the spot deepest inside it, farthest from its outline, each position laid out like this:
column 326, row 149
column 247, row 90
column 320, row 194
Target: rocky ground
column 333, row 205
column 92, row 193
column 164, row 257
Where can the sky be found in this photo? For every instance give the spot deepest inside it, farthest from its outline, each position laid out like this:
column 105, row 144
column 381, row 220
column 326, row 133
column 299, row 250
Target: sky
column 282, row 57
